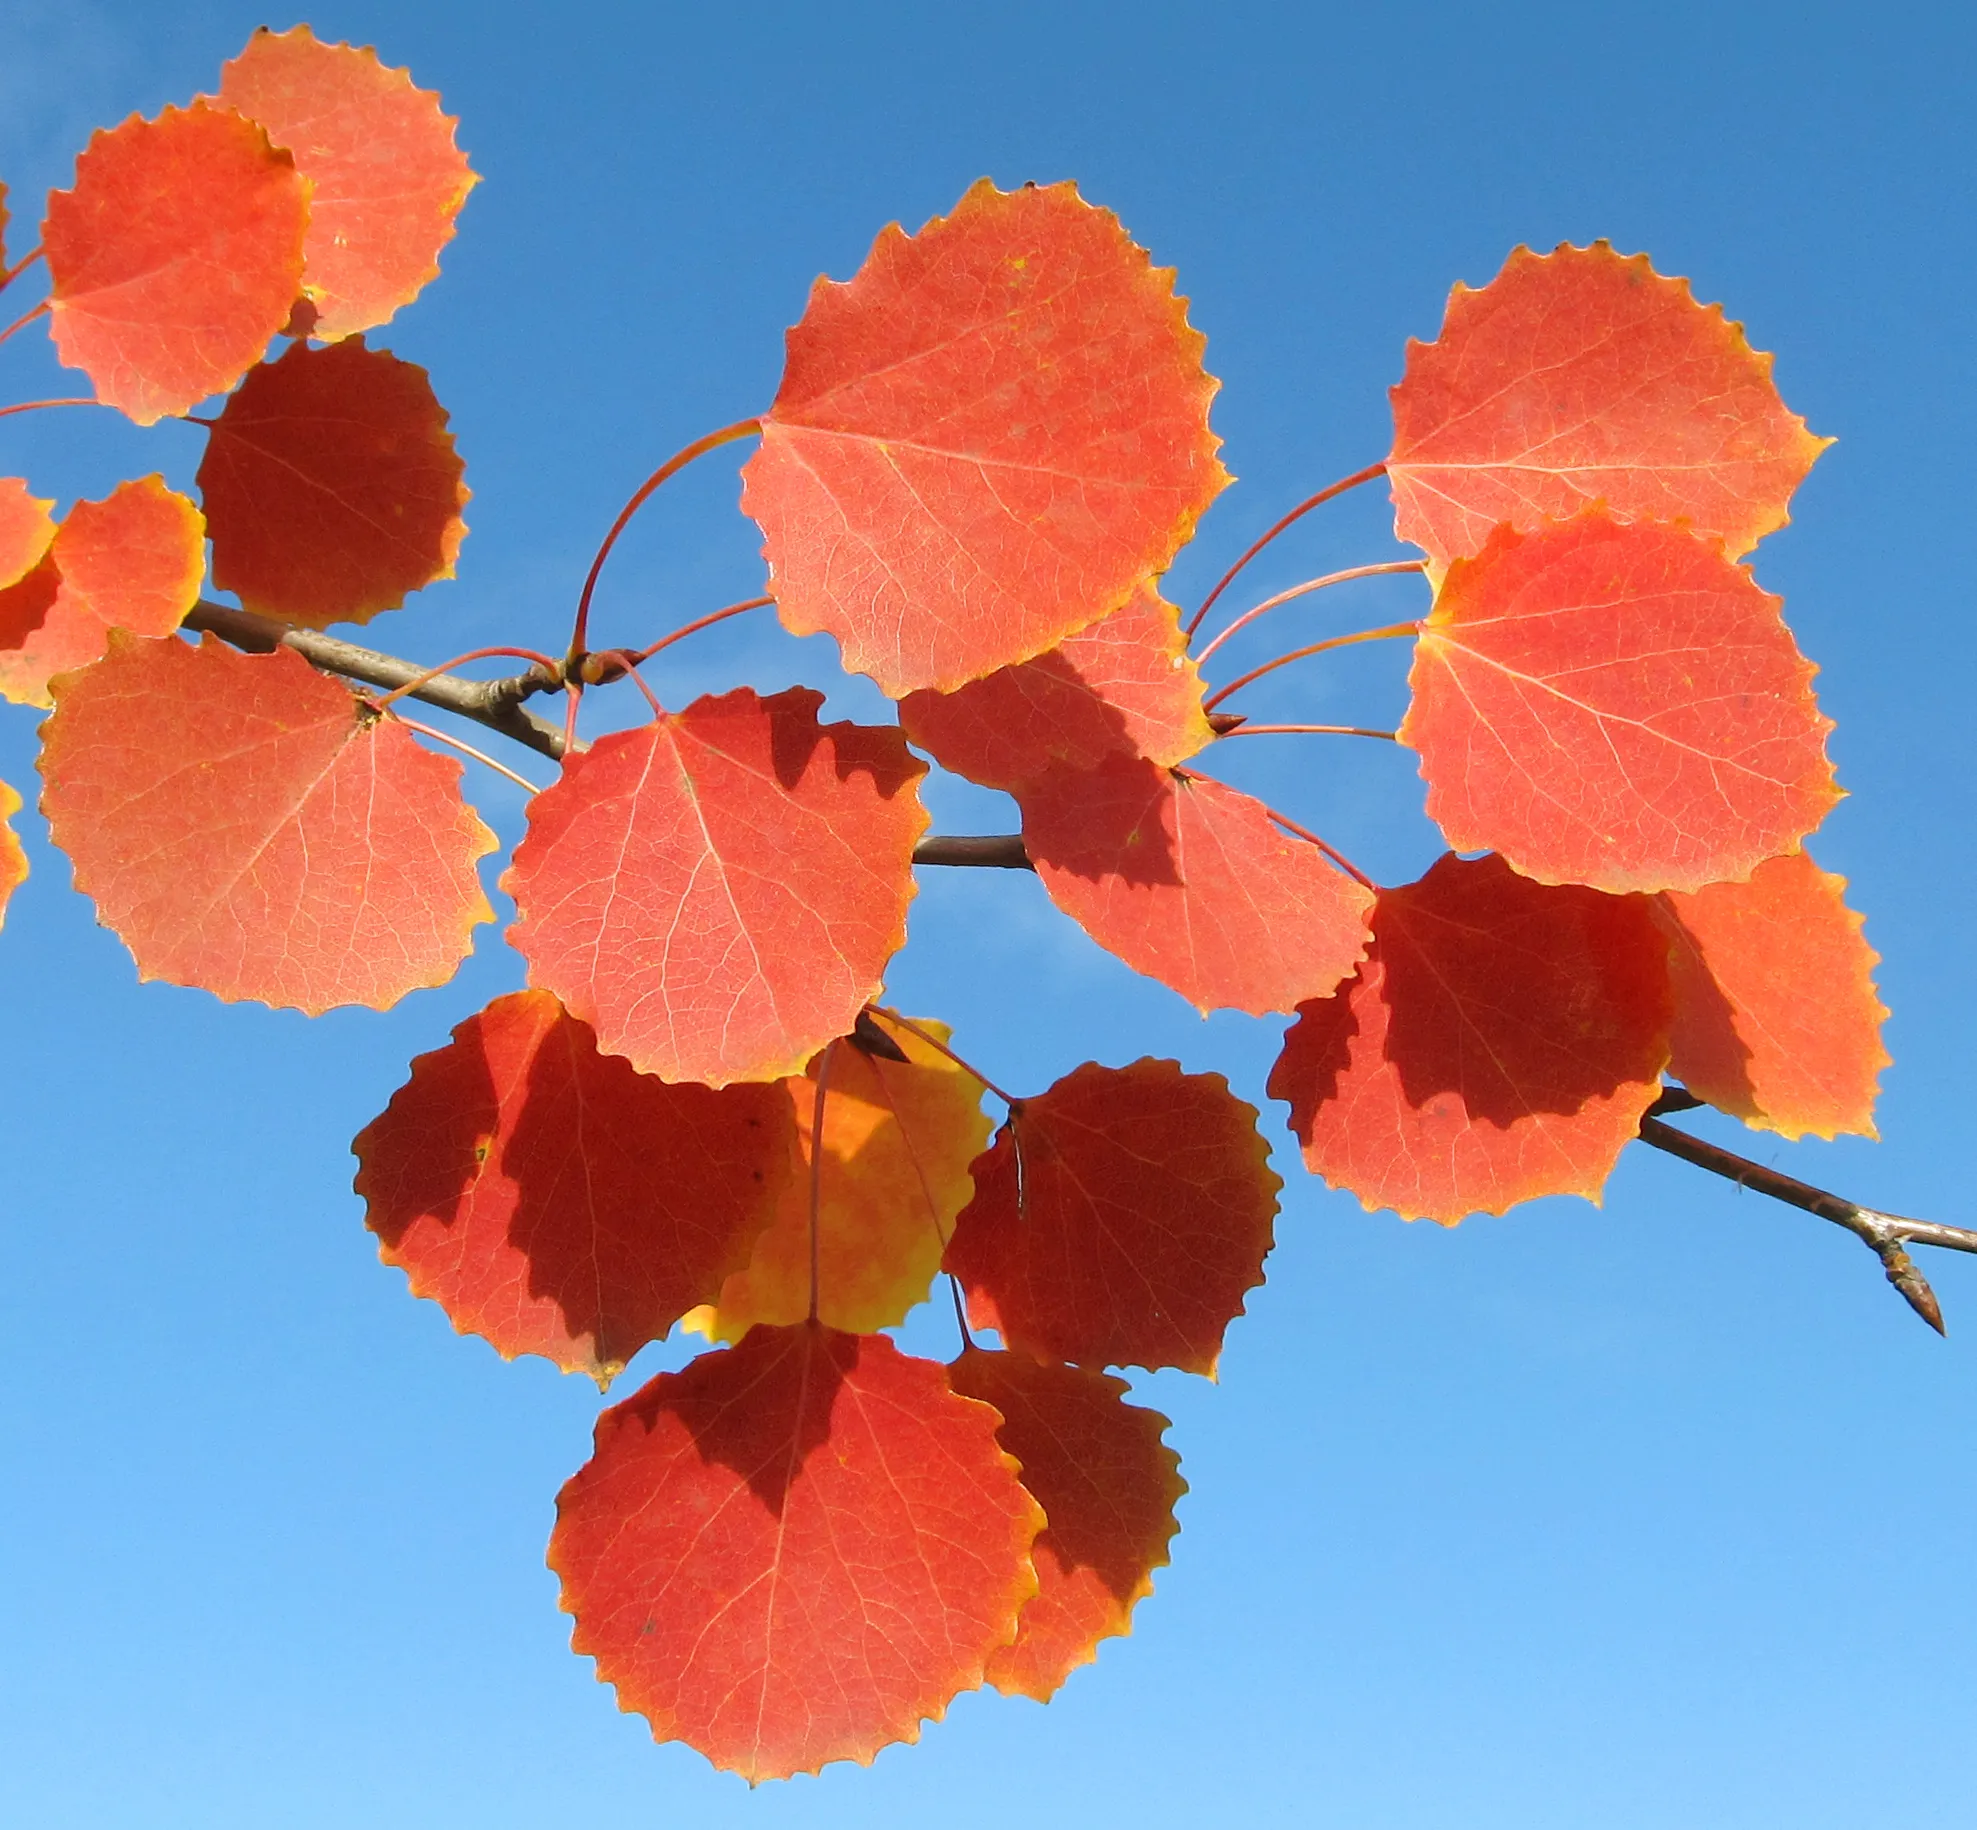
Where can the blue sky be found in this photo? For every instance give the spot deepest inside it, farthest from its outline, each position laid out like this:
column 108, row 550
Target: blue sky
column 1651, row 1516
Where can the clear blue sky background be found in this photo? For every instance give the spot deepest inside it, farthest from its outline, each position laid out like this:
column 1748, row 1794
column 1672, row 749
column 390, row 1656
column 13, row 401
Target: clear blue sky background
column 1656, row 1516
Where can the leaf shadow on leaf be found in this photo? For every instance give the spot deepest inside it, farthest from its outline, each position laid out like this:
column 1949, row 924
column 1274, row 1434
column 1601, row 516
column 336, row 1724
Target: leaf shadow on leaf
column 24, row 605
column 1018, row 722
column 436, row 1181
column 878, row 751
column 766, row 1428
column 1706, row 1018
column 1105, row 822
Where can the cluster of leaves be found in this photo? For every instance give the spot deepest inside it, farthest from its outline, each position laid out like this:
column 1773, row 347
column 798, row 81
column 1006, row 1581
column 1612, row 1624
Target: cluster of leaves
column 987, row 449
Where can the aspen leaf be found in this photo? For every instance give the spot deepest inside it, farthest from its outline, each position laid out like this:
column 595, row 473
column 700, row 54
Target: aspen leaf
column 1122, row 687
column 1193, row 884
column 386, row 178
column 1108, row 1485
column 898, row 1141
column 555, row 1201
column 251, row 828
column 1616, row 704
column 133, row 561
column 26, row 528
column 1118, row 1219
column 13, row 859
column 1584, row 376
column 795, row 1550
column 332, row 486
column 717, row 894
column 984, row 441
column 1776, row 1020
column 1501, row 1042
column 175, row 258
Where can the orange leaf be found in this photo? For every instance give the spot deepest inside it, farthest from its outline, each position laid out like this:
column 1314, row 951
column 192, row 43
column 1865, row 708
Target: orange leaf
column 387, row 180
column 26, row 528
column 898, row 1140
column 332, row 486
column 717, row 894
column 794, row 1550
column 1501, row 1042
column 175, row 258
column 250, row 827
column 13, row 860
column 983, row 442
column 1192, row 883
column 1118, row 1219
column 1107, row 1484
column 554, row 1201
column 133, row 561
column 1122, row 687
column 1776, row 1020
column 1616, row 704
column 1582, row 376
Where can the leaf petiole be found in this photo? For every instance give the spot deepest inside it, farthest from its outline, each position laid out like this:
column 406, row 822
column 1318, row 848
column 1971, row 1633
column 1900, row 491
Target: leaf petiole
column 1392, row 631
column 1305, row 590
column 934, row 1042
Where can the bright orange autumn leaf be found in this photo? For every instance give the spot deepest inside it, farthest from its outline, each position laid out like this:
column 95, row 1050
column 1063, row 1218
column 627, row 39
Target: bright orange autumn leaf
column 898, row 1141
column 247, row 826
column 1122, row 687
column 717, row 893
column 1584, row 376
column 386, row 178
column 1501, row 1042
column 133, row 561
column 984, row 441
column 13, row 860
column 26, row 528
column 1108, row 1485
column 1776, row 1019
column 332, row 487
column 1192, row 883
column 1616, row 704
column 1118, row 1219
column 175, row 258
column 795, row 1550
column 553, row 1200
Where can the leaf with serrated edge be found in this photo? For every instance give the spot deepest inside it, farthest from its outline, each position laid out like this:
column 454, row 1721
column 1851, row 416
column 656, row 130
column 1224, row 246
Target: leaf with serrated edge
column 983, row 442
column 1118, row 1219
column 554, row 1200
column 13, row 860
column 249, row 827
column 1501, row 1042
column 26, row 528
column 795, row 1550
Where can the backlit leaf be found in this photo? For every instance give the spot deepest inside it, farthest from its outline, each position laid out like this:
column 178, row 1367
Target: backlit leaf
column 1776, row 1019
column 1616, row 704
column 386, row 177
column 717, row 894
column 26, row 528
column 175, row 258
column 13, row 860
column 555, row 1201
column 1107, row 1483
column 1192, row 883
column 247, row 826
column 1118, row 1219
column 332, row 486
column 133, row 561
column 1122, row 687
column 898, row 1140
column 1584, row 376
column 1501, row 1042
column 984, row 441
column 795, row 1550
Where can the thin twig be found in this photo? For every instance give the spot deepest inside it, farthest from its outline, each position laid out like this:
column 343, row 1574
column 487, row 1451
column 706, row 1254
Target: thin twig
column 1003, row 851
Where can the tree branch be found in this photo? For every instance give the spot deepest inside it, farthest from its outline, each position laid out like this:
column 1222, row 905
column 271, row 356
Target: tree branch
column 1886, row 1235
column 1003, row 851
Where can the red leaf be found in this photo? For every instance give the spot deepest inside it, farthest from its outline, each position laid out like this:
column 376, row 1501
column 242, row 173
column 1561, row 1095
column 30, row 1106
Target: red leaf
column 26, row 528
column 1501, row 1042
column 1192, row 883
column 175, row 258
column 249, row 827
column 794, row 1550
column 718, row 894
column 387, row 180
column 13, row 860
column 1123, row 687
column 1118, row 1219
column 984, row 442
column 554, row 1201
column 133, row 561
column 1582, row 376
column 332, row 486
column 1776, row 1019
column 1616, row 704
column 1107, row 1484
